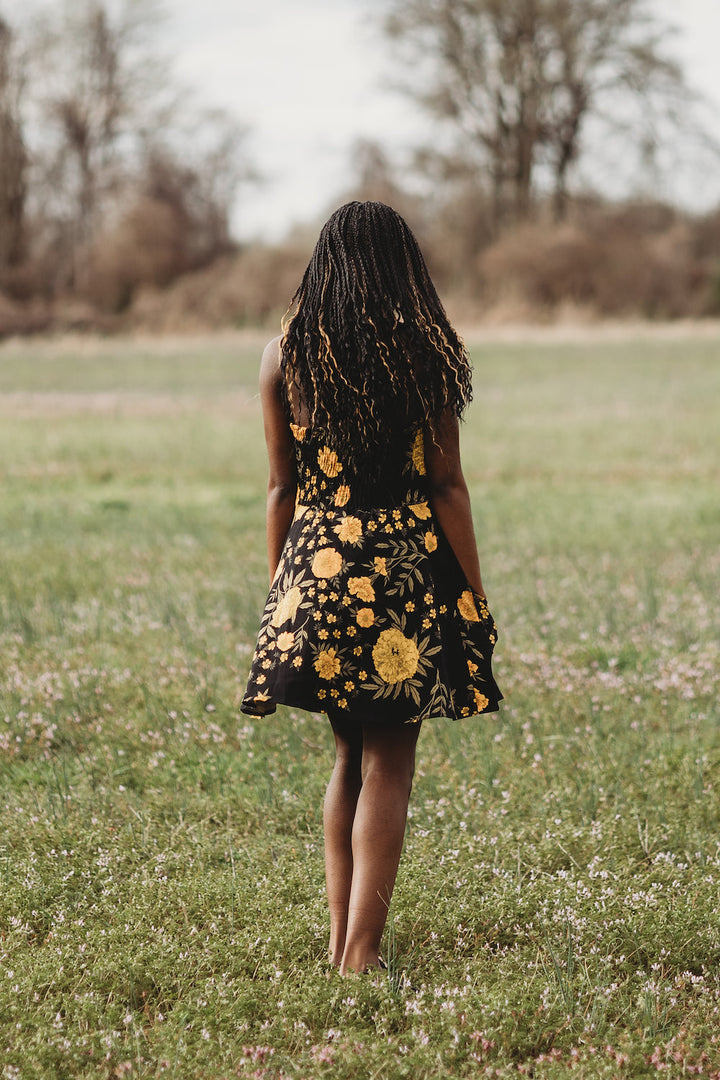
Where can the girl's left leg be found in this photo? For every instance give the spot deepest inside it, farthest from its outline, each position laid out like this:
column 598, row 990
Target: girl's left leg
column 338, row 815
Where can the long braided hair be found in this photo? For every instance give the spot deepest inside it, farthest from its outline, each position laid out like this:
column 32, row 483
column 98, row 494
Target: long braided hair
column 366, row 341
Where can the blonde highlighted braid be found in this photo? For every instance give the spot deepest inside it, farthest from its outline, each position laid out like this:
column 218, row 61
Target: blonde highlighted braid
column 367, row 348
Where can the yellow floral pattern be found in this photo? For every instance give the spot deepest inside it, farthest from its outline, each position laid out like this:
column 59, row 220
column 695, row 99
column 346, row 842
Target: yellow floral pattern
column 328, row 462
column 349, row 530
column 362, row 588
column 370, row 614
column 418, row 452
column 287, row 606
column 395, row 656
column 327, row 663
column 326, row 563
column 466, row 607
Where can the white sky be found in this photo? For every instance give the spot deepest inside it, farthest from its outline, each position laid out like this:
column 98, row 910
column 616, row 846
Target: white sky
column 311, row 76
column 308, row 76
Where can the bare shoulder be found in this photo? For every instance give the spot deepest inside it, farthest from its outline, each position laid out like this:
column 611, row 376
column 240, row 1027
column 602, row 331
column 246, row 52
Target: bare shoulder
column 270, row 363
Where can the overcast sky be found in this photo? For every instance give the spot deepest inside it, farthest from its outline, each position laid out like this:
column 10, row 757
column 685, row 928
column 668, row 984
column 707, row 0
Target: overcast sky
column 310, row 77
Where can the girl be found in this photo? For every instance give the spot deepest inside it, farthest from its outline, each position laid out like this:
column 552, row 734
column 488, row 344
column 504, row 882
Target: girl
column 377, row 614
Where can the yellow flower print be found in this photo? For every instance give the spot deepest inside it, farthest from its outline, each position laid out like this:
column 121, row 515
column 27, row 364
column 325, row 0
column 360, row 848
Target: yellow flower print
column 349, row 530
column 327, row 664
column 365, row 617
column 300, row 511
column 472, row 668
column 285, row 640
column 410, row 606
column 418, row 453
column 342, row 703
column 287, row 606
column 322, row 634
column 342, row 495
column 421, row 510
column 362, row 588
column 327, row 563
column 328, row 462
column 430, row 541
column 481, row 702
column 380, row 566
column 298, row 432
column 362, row 675
column 260, row 678
column 395, row 656
column 297, row 662
column 349, row 686
column 466, row 607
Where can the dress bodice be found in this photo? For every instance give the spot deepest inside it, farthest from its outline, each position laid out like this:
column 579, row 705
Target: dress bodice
column 327, row 481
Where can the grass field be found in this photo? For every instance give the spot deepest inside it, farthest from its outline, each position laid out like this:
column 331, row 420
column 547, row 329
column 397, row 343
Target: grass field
column 161, row 883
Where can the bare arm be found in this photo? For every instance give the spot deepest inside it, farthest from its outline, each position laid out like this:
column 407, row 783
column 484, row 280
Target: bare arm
column 282, row 479
column 449, row 496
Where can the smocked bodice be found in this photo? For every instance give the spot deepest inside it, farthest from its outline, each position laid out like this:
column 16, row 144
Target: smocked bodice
column 325, row 480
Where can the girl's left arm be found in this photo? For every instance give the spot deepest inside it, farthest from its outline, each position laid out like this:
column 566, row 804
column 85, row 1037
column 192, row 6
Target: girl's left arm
column 282, row 477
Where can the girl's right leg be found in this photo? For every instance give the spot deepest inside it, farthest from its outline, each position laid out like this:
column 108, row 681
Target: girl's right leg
column 388, row 764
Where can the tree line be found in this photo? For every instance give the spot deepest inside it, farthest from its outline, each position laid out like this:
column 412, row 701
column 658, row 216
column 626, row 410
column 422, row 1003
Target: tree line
column 116, row 192
column 109, row 175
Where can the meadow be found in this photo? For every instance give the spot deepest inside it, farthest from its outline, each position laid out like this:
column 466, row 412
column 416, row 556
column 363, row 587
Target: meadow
column 161, row 878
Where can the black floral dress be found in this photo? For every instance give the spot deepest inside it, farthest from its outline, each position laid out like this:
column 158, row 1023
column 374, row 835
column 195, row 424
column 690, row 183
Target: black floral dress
column 370, row 615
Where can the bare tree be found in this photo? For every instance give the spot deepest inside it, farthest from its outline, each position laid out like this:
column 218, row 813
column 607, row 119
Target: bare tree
column 195, row 169
column 99, row 90
column 13, row 154
column 515, row 81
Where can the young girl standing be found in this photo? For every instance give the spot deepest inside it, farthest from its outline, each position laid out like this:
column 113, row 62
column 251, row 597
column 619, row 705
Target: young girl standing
column 376, row 614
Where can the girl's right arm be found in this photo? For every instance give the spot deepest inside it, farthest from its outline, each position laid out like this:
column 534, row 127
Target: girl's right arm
column 449, row 496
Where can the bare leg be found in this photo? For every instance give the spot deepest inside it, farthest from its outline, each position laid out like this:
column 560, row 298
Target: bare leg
column 339, row 812
column 388, row 764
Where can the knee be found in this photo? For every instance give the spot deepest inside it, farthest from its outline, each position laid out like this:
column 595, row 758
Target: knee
column 348, row 763
column 390, row 771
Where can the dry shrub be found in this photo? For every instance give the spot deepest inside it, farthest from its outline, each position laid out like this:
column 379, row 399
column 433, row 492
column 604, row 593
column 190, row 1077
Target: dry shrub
column 28, row 318
column 251, row 288
column 535, row 266
column 146, row 248
column 613, row 270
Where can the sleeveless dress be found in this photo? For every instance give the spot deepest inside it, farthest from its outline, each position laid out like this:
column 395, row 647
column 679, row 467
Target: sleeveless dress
column 370, row 615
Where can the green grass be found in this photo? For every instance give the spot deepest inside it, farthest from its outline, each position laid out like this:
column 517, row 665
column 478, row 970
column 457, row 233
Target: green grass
column 161, row 883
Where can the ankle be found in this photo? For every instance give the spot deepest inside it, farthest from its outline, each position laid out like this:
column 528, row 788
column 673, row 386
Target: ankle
column 360, row 956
